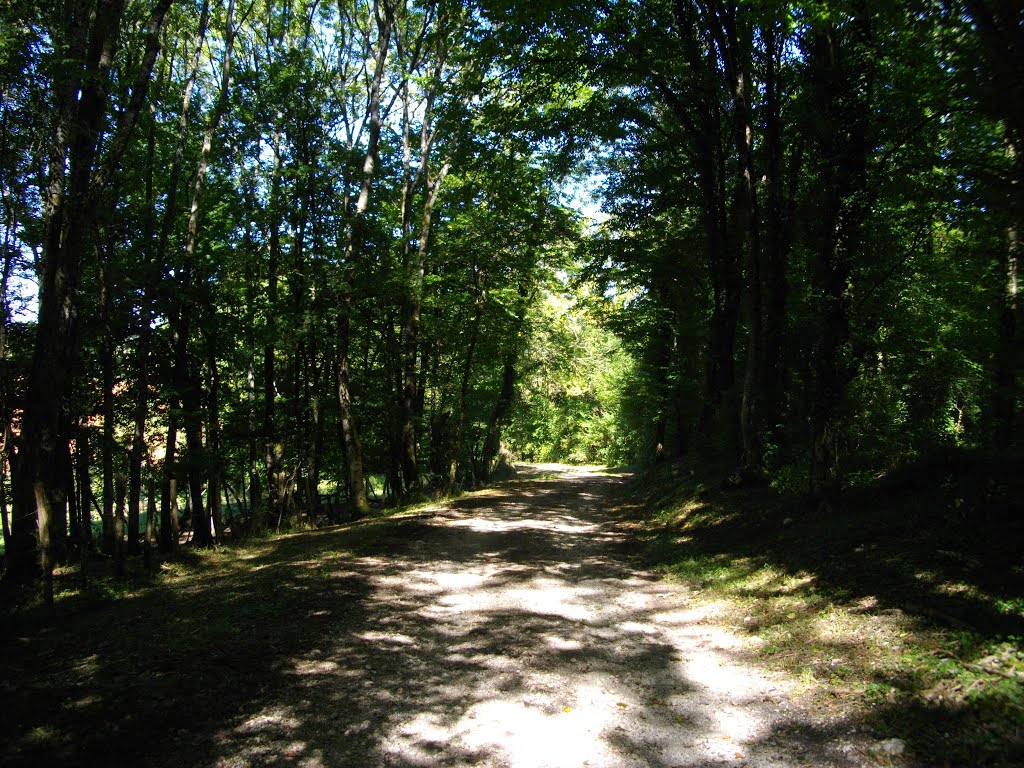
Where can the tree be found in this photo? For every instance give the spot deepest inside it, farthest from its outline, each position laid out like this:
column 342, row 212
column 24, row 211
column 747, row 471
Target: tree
column 88, row 41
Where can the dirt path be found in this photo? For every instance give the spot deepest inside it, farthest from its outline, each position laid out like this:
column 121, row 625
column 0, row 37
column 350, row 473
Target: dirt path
column 512, row 629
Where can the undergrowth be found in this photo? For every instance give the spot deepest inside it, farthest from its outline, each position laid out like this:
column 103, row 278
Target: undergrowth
column 901, row 610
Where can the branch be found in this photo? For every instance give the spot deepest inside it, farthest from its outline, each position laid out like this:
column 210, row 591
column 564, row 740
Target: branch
column 130, row 116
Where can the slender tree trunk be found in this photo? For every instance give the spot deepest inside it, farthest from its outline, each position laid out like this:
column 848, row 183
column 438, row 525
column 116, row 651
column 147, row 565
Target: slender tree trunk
column 273, row 448
column 499, row 416
column 255, row 516
column 778, row 225
column 737, row 42
column 10, row 228
column 120, row 489
column 455, row 450
column 406, row 453
column 353, row 248
column 151, row 513
column 215, row 512
column 83, row 487
column 662, row 362
column 82, row 521
column 140, row 449
column 184, row 365
column 4, row 516
column 725, row 280
column 1008, row 352
column 169, row 490
column 841, row 91
column 107, row 449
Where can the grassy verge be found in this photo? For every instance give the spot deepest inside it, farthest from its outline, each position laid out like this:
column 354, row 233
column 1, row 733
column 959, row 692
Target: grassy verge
column 902, row 611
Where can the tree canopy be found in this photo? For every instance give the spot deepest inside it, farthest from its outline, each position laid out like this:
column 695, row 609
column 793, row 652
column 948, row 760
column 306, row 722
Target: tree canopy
column 270, row 261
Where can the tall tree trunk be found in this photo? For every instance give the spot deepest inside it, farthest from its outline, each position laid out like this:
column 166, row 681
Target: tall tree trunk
column 120, row 488
column 499, row 416
column 215, row 512
column 4, row 516
column 662, row 353
column 411, row 401
column 455, row 448
column 169, row 489
column 107, row 446
column 736, row 42
column 353, row 250
column 778, row 230
column 1008, row 347
column 196, row 458
column 840, row 93
column 1001, row 32
column 81, row 99
column 151, row 513
column 10, row 227
column 184, row 363
column 503, row 405
column 406, row 458
column 273, row 448
column 83, row 488
column 256, row 517
column 139, row 449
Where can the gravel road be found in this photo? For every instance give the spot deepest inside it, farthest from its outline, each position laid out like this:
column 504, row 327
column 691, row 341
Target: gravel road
column 514, row 629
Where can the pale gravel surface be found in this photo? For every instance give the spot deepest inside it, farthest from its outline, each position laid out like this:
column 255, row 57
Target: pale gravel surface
column 514, row 629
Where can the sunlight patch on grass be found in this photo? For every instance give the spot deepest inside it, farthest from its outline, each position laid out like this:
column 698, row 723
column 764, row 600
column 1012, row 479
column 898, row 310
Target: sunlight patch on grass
column 890, row 657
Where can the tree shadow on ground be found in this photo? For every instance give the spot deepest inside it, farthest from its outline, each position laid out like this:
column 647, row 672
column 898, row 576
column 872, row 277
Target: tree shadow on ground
column 508, row 630
column 934, row 547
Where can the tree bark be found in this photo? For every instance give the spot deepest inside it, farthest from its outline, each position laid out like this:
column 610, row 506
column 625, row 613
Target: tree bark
column 215, row 466
column 184, row 364
column 736, row 42
column 502, row 406
column 273, row 448
column 777, row 232
column 455, row 449
column 81, row 100
column 107, row 354
column 168, row 500
column 841, row 86
column 353, row 248
column 140, row 449
column 1008, row 352
column 120, row 488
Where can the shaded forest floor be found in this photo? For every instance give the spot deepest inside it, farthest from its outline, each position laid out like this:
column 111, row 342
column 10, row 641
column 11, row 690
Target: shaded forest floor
column 901, row 609
column 527, row 625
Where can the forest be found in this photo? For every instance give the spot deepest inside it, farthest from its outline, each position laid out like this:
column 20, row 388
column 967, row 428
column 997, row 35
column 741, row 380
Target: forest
column 268, row 261
column 619, row 383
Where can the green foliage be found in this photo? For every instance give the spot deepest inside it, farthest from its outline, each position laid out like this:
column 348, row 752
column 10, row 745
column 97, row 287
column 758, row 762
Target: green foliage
column 575, row 399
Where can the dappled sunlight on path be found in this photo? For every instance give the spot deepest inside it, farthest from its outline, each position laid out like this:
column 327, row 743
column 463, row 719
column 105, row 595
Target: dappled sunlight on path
column 513, row 629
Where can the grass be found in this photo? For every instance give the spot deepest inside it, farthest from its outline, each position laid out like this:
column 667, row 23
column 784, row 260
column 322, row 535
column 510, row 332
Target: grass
column 902, row 611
